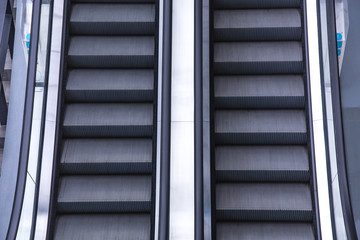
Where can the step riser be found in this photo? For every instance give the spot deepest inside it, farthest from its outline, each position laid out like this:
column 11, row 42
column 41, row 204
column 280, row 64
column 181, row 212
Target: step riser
column 262, row 176
column 102, row 96
column 253, row 4
column 111, row 28
column 260, row 102
column 106, row 168
column 104, row 207
column 262, row 34
column 258, row 215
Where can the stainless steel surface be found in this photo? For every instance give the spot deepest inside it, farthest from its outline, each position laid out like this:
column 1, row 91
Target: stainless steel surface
column 42, row 212
column 206, row 121
column 318, row 121
column 158, row 123
column 182, row 122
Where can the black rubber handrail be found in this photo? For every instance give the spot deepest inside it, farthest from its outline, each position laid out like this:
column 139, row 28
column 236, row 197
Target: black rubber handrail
column 338, row 125
column 165, row 124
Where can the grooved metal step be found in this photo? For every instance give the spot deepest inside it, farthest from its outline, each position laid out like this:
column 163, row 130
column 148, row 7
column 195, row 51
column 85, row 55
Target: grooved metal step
column 103, row 226
column 260, row 127
column 257, row 25
column 108, row 120
column 106, row 144
column 258, row 58
column 263, row 202
column 104, row 194
column 112, row 19
column 111, row 52
column 259, row 91
column 250, row 4
column 264, row 231
column 113, row 1
column 261, row 174
column 262, row 163
column 105, row 85
column 106, row 156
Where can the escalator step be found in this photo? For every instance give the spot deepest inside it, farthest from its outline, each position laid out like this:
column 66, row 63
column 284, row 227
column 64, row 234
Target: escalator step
column 262, row 163
column 263, row 202
column 100, row 226
column 229, row 4
column 91, row 194
column 258, row 57
column 113, row 1
column 257, row 25
column 111, row 52
column 104, row 85
column 108, row 120
column 260, row 127
column 106, row 156
column 264, row 231
column 112, row 19
column 259, row 91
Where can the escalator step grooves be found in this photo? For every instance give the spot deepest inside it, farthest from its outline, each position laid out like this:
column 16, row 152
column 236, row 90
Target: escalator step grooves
column 105, row 182
column 261, row 168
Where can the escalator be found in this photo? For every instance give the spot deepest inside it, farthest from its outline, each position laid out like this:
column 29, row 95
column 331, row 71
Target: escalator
column 262, row 182
column 105, row 184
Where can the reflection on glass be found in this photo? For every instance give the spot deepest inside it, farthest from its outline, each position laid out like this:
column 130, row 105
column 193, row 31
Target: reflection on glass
column 342, row 28
column 25, row 17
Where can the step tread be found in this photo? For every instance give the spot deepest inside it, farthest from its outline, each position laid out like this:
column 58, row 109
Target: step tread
column 263, row 196
column 261, row 18
column 108, row 114
column 106, row 79
column 111, row 46
column 261, row 158
column 127, row 13
column 104, row 189
column 103, row 226
column 264, row 231
column 260, row 121
column 106, row 151
column 256, row 4
column 259, row 86
column 287, row 51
